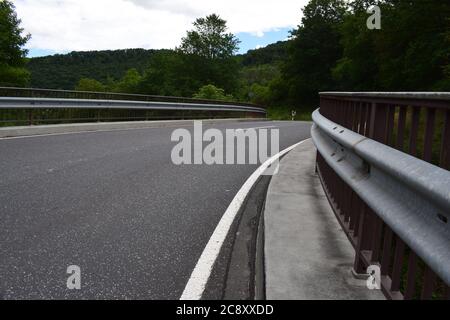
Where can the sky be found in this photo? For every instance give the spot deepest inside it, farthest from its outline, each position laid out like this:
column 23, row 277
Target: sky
column 61, row 26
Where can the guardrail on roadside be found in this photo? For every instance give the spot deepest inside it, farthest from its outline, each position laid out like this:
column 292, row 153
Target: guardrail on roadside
column 89, row 95
column 39, row 105
column 384, row 169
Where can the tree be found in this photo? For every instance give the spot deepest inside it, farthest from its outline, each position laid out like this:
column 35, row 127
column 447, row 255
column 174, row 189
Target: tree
column 412, row 54
column 86, row 84
column 313, row 52
column 255, row 82
column 210, row 39
column 208, row 52
column 12, row 53
column 169, row 73
column 211, row 92
column 408, row 54
column 444, row 84
column 129, row 83
column 357, row 69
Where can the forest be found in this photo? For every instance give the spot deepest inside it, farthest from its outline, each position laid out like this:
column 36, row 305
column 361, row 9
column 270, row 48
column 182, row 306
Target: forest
column 331, row 49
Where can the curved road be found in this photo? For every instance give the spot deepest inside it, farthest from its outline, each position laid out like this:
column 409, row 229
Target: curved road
column 115, row 205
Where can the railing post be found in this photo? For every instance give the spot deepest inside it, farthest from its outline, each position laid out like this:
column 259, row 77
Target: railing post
column 364, row 239
column 445, row 145
column 30, row 117
column 378, row 122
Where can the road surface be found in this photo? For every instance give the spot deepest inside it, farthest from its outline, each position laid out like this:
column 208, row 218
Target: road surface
column 113, row 204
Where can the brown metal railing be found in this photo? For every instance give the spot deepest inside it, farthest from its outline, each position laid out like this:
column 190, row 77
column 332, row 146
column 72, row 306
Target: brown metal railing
column 417, row 124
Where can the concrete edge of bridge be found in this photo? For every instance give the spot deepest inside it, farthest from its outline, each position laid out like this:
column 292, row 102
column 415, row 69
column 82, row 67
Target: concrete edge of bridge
column 54, row 129
column 307, row 255
column 238, row 273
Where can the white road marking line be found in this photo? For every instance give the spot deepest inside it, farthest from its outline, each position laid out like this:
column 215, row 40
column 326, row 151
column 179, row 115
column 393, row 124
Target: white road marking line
column 91, row 131
column 200, row 275
column 104, row 130
column 75, row 132
column 243, row 129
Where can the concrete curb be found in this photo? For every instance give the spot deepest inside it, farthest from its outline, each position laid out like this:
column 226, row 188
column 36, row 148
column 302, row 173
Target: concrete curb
column 10, row 132
column 307, row 255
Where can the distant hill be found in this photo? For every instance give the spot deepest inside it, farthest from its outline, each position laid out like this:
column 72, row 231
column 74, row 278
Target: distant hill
column 270, row 54
column 63, row 71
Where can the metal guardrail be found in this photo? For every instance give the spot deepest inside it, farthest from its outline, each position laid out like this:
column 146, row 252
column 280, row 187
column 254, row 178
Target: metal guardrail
column 50, row 103
column 68, row 106
column 89, row 95
column 393, row 206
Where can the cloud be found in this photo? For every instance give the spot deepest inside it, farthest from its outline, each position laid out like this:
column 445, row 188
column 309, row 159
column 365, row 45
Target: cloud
column 173, row 6
column 259, row 34
column 65, row 25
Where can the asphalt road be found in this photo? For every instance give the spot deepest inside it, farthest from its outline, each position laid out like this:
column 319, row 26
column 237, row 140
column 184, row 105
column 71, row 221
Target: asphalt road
column 115, row 205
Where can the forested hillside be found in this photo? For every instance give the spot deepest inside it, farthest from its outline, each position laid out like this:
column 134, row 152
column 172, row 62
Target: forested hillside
column 273, row 53
column 63, row 71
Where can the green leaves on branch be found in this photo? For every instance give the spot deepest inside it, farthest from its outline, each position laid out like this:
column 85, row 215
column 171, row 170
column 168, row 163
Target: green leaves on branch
column 13, row 76
column 333, row 49
column 209, row 39
column 211, row 92
column 314, row 50
column 129, row 83
column 86, row 84
column 208, row 54
column 12, row 54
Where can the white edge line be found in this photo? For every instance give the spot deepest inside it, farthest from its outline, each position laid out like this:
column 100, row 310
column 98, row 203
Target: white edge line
column 75, row 132
column 200, row 275
column 244, row 129
column 103, row 130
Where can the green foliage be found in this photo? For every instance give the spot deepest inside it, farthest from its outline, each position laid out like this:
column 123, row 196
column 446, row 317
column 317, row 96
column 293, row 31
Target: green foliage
column 86, row 84
column 169, row 74
column 271, row 54
column 260, row 69
column 260, row 94
column 63, row 71
column 413, row 54
column 207, row 54
column 333, row 50
column 313, row 52
column 211, row 92
column 13, row 76
column 408, row 54
column 209, row 39
column 129, row 83
column 255, row 81
column 262, row 74
column 356, row 69
column 285, row 113
column 12, row 54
